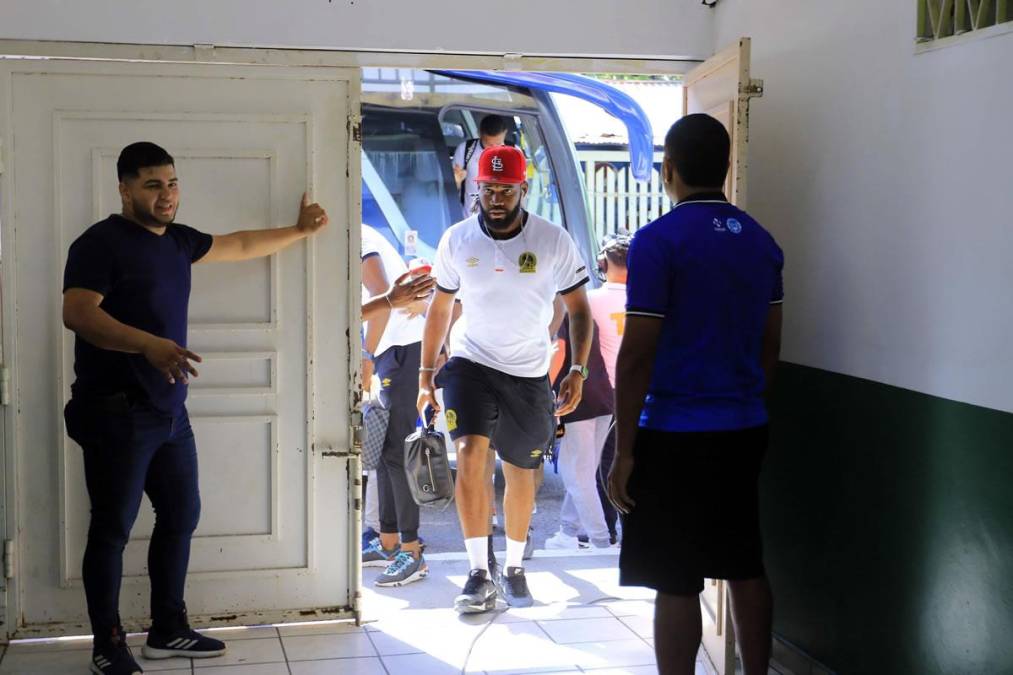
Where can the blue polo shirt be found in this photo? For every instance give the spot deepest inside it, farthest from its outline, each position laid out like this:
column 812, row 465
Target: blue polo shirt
column 145, row 281
column 710, row 273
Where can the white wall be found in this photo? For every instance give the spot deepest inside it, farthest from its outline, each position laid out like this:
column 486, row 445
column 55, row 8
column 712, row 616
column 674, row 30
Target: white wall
column 559, row 27
column 887, row 178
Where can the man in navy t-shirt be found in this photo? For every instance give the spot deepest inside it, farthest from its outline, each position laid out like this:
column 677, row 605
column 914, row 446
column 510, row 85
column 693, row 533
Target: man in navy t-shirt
column 701, row 341
column 126, row 293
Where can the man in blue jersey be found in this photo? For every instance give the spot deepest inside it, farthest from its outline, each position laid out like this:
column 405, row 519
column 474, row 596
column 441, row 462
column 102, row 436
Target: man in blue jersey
column 701, row 341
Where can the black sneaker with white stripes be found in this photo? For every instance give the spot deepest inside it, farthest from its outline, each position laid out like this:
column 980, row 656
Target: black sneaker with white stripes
column 114, row 657
column 184, row 642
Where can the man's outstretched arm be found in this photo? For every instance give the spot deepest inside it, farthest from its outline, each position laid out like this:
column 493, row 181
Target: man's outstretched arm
column 248, row 244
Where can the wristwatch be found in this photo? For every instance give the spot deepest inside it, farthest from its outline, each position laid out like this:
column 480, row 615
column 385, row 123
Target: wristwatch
column 584, row 372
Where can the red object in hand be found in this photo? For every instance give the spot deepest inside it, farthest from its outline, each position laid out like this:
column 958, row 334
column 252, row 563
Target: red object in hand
column 419, row 268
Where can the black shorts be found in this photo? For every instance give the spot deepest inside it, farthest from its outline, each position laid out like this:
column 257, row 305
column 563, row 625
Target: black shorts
column 517, row 414
column 696, row 513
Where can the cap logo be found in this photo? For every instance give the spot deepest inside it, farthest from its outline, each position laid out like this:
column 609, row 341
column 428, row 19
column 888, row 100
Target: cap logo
column 497, row 164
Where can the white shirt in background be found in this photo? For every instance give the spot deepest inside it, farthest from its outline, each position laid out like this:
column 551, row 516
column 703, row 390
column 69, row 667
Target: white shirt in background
column 400, row 330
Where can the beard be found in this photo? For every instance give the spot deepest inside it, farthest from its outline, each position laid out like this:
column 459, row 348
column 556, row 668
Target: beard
column 146, row 217
column 500, row 223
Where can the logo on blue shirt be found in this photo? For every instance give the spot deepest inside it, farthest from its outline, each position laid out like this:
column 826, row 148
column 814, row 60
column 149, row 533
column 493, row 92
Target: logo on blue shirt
column 734, row 226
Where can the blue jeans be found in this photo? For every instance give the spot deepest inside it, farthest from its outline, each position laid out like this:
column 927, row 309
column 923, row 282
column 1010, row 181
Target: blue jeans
column 130, row 449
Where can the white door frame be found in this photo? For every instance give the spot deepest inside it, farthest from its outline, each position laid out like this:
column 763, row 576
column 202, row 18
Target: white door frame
column 210, row 54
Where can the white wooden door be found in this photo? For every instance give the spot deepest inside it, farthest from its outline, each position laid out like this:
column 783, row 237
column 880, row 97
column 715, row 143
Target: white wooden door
column 271, row 407
column 721, row 87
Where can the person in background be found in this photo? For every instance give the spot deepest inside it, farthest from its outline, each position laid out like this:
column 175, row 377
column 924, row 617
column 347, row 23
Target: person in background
column 492, row 131
column 583, row 517
column 393, row 343
column 701, row 340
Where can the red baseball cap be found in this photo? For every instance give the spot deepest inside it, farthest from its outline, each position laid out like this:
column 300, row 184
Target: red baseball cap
column 502, row 164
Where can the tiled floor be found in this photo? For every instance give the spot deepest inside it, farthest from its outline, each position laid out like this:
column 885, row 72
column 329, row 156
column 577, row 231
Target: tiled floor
column 584, row 622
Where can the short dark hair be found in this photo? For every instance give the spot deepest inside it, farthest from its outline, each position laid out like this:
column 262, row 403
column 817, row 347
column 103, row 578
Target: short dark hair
column 492, row 125
column 137, row 156
column 698, row 146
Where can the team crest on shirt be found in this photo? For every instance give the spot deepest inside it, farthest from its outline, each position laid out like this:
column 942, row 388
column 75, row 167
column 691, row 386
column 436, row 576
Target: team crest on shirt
column 472, row 261
column 528, row 262
column 451, row 416
column 734, row 226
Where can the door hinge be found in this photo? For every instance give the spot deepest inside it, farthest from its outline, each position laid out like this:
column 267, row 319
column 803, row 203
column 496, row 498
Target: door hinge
column 355, row 127
column 5, row 385
column 754, row 89
column 1, row 155
column 8, row 559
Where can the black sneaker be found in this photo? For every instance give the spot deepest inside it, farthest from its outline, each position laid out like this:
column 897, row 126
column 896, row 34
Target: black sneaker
column 515, row 587
column 114, row 657
column 184, row 642
column 479, row 594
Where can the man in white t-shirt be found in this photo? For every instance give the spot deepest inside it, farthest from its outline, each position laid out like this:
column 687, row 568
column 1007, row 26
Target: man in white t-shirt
column 394, row 338
column 506, row 266
column 492, row 132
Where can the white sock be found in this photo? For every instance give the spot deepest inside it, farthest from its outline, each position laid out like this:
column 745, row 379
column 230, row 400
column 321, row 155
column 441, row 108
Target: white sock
column 478, row 552
column 515, row 553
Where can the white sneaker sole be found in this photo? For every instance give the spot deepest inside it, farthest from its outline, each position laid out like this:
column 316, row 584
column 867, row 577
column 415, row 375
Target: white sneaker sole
column 154, row 653
column 377, row 563
column 419, row 575
column 462, row 606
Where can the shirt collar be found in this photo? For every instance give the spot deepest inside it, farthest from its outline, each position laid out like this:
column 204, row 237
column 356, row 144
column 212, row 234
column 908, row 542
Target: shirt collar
column 489, row 233
column 716, row 196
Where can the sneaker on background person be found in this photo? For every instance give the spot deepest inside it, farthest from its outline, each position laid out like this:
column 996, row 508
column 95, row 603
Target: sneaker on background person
column 375, row 555
column 404, row 569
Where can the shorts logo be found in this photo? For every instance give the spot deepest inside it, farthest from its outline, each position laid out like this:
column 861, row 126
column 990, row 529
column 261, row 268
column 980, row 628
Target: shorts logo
column 472, row 261
column 385, row 382
column 528, row 262
column 734, row 226
column 536, row 453
column 497, row 164
column 451, row 416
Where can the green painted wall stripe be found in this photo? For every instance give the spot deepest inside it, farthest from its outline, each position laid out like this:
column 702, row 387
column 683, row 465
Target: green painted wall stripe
column 888, row 522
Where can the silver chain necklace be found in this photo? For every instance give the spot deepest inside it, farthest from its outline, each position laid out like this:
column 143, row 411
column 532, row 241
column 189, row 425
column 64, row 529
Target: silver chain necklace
column 500, row 253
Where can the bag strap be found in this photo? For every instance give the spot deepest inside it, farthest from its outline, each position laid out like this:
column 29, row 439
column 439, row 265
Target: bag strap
column 469, row 150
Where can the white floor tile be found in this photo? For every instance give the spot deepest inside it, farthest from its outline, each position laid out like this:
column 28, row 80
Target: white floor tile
column 643, row 626
column 336, row 646
column 554, row 612
column 245, row 652
column 519, row 647
column 623, row 608
column 321, row 628
column 587, row 630
column 420, row 664
column 618, row 654
column 629, row 670
column 250, row 669
column 339, row 667
column 388, row 645
column 47, row 663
